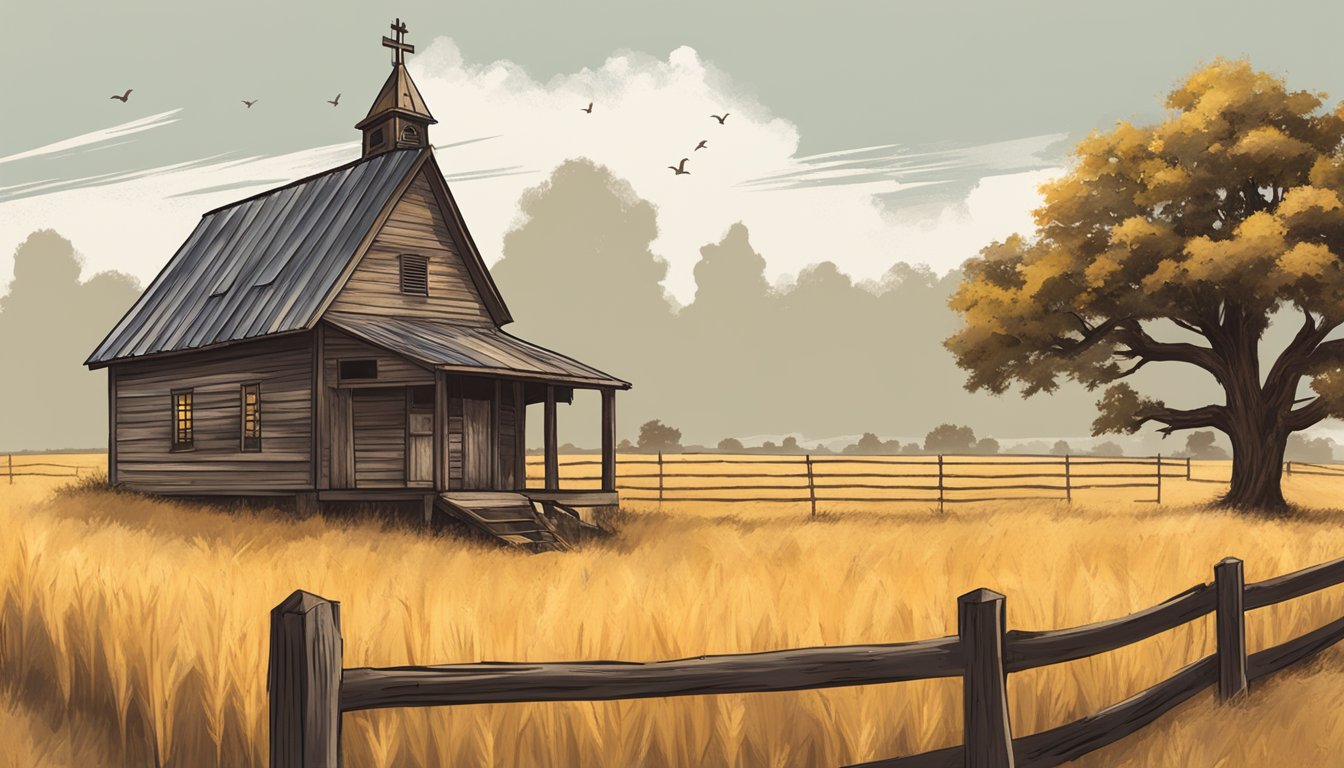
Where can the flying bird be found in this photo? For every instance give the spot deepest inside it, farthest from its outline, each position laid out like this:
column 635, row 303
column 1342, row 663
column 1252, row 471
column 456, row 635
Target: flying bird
column 704, row 144
column 588, row 109
column 681, row 167
column 250, row 103
column 336, row 102
column 720, row 119
column 123, row 97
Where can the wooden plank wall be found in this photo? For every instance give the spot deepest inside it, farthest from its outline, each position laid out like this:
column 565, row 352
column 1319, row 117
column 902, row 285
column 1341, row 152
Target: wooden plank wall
column 144, row 420
column 380, row 437
column 507, row 437
column 456, row 467
column 416, row 225
column 393, row 370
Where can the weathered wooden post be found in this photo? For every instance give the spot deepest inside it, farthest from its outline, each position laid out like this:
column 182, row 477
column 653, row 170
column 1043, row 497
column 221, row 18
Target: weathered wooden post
column 1229, row 581
column 608, row 439
column 987, row 736
column 552, row 449
column 11, row 467
column 660, row 481
column 1288, row 464
column 1068, row 481
column 811, row 486
column 940, row 482
column 304, row 682
column 1159, row 478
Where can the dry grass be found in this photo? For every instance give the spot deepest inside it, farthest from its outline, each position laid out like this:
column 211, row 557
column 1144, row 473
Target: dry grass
column 145, row 622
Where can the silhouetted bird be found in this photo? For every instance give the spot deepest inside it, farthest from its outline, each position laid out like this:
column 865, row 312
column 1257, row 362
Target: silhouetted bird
column 123, row 97
column 250, row 103
column 588, row 109
column 720, row 119
column 681, row 167
column 336, row 102
column 704, row 144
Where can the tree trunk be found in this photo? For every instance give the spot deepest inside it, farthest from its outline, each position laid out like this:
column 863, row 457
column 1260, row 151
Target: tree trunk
column 1257, row 463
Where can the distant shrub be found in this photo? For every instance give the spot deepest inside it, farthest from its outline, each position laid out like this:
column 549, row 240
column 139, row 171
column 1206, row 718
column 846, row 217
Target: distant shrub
column 1107, row 448
column 657, row 436
column 1199, row 445
column 730, row 445
column 950, row 438
column 1060, row 448
column 1320, row 450
column 987, row 446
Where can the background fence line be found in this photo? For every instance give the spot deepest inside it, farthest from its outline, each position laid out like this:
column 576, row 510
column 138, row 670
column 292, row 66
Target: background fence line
column 309, row 689
column 813, row 479
column 12, row 471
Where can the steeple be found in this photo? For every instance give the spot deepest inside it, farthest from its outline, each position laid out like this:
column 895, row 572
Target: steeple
column 398, row 117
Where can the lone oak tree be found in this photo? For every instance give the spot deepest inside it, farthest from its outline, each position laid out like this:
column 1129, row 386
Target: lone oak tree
column 1196, row 229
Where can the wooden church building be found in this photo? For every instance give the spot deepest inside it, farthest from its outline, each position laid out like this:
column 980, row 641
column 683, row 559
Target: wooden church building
column 340, row 338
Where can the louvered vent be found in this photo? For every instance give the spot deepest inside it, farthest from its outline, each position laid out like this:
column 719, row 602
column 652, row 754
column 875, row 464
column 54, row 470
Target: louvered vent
column 415, row 275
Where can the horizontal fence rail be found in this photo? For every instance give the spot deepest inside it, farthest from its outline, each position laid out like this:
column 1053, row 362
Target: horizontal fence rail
column 810, row 479
column 309, row 689
column 45, row 469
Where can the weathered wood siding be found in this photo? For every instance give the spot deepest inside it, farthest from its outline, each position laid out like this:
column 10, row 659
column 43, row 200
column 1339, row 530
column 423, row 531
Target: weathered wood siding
column 393, row 370
column 416, row 226
column 217, row 464
column 456, row 466
column 508, row 436
column 380, row 437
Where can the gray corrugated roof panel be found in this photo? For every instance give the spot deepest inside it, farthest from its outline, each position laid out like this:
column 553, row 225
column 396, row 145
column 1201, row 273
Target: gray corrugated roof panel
column 479, row 348
column 262, row 265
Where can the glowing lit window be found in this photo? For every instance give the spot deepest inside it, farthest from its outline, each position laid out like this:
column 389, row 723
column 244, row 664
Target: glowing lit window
column 182, row 433
column 251, row 413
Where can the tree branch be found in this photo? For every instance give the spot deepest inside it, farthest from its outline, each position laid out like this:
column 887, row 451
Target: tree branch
column 1176, row 419
column 1308, row 415
column 1140, row 344
column 1281, row 382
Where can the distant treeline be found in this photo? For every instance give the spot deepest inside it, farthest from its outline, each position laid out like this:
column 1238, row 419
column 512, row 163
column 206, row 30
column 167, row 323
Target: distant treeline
column 655, row 437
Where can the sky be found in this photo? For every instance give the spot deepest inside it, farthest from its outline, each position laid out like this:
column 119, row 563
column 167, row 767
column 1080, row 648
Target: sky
column 862, row 133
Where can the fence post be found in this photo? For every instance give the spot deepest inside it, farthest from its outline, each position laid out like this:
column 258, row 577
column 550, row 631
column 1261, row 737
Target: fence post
column 660, row 481
column 1289, row 463
column 1229, row 584
column 811, row 486
column 987, row 736
column 304, row 682
column 1159, row 478
column 11, row 467
column 940, row 482
column 1187, row 467
column 1068, row 481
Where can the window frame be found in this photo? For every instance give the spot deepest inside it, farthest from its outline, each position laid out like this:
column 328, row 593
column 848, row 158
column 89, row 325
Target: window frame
column 423, row 262
column 341, row 378
column 176, row 429
column 249, row 443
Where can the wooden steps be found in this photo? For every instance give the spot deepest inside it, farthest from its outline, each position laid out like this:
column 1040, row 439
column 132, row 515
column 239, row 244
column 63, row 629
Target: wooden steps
column 510, row 518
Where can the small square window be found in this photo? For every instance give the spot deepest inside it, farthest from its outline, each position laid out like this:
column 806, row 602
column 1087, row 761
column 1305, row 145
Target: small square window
column 183, row 439
column 414, row 275
column 358, row 369
column 250, row 407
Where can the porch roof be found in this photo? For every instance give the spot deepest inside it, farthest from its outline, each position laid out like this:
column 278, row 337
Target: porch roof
column 482, row 349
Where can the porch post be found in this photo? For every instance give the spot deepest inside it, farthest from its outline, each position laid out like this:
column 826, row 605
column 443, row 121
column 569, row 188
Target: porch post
column 440, row 431
column 608, row 439
column 552, row 447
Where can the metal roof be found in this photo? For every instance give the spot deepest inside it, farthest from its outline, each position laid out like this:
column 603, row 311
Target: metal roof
column 261, row 266
column 468, row 348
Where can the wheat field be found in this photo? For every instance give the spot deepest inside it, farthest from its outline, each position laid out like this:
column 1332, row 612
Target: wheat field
column 134, row 630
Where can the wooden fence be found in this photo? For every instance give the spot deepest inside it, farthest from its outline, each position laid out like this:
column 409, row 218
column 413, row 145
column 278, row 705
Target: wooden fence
column 940, row 479
column 45, row 468
column 309, row 689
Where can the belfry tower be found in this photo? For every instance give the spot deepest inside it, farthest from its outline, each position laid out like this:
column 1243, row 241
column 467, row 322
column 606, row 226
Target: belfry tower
column 398, row 118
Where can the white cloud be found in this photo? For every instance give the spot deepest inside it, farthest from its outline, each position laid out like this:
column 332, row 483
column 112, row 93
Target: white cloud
column 648, row 114
column 97, row 137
